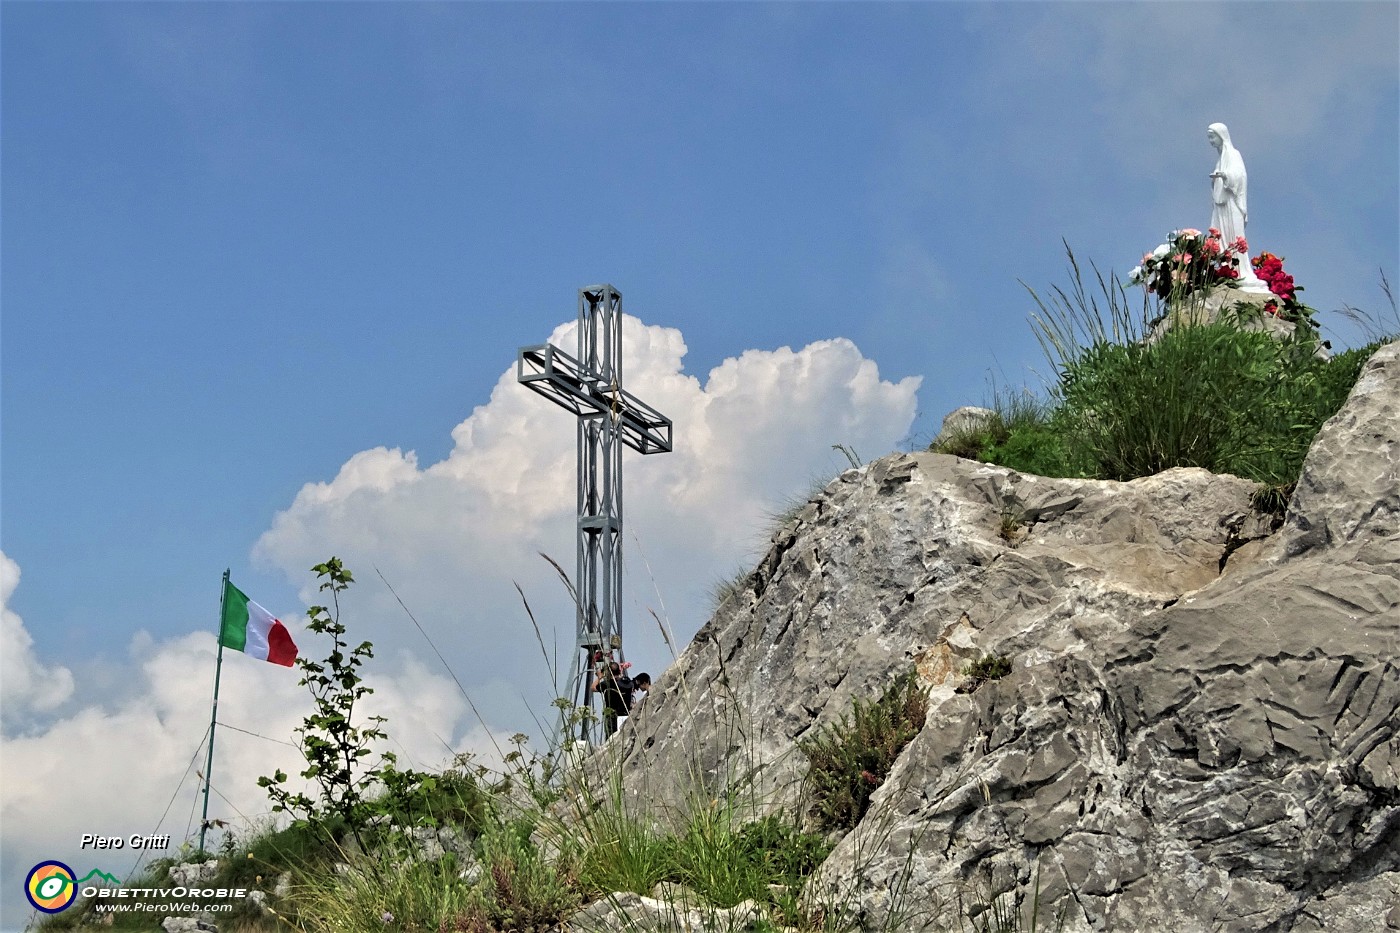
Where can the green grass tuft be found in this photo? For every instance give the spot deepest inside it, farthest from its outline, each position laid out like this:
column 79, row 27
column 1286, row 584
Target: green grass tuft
column 1212, row 396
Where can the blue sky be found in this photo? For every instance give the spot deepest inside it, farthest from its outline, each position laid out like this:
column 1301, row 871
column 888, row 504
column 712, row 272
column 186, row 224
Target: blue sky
column 266, row 268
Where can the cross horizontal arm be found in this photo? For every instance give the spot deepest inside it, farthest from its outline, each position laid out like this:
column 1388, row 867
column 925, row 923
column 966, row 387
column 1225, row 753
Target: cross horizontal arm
column 560, row 378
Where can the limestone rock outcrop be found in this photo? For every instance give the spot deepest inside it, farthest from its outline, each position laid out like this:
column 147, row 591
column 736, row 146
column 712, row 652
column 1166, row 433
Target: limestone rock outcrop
column 637, row 914
column 1200, row 730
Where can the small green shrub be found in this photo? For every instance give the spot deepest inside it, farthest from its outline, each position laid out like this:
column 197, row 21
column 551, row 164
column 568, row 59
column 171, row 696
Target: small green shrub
column 1009, row 413
column 350, row 794
column 786, row 855
column 1343, row 369
column 519, row 887
column 708, row 857
column 1209, row 396
column 529, row 892
column 988, row 667
column 1023, row 433
column 851, row 757
column 711, row 851
column 1040, row 448
column 415, row 798
column 1139, row 409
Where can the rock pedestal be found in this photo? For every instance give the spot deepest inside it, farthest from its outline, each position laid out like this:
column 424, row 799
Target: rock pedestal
column 1244, row 308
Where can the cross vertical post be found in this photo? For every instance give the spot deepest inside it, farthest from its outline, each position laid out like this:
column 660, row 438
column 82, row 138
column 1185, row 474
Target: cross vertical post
column 609, row 417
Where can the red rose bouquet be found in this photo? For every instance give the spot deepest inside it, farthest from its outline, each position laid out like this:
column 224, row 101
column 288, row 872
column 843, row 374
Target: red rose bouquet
column 1269, row 269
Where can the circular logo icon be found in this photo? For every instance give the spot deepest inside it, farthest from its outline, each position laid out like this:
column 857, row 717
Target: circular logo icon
column 51, row 887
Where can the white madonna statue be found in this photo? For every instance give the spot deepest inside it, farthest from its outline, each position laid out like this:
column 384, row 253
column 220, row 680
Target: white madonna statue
column 1230, row 200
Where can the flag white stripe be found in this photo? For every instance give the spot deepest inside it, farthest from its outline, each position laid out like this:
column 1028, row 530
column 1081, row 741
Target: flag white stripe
column 260, row 622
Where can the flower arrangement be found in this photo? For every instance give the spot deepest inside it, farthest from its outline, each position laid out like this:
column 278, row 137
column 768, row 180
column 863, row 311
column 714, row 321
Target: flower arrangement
column 1189, row 261
column 1269, row 269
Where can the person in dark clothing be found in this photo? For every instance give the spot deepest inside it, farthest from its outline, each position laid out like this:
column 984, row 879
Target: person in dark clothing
column 612, row 682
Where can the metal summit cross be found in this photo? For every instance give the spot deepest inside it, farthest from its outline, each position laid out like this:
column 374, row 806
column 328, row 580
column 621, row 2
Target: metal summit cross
column 590, row 386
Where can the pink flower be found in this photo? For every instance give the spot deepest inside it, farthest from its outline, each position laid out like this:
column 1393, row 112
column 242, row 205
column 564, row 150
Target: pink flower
column 1190, row 231
column 1240, row 246
column 1214, row 232
column 1212, row 244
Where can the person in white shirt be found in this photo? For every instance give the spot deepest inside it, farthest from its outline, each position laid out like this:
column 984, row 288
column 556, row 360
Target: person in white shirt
column 640, row 685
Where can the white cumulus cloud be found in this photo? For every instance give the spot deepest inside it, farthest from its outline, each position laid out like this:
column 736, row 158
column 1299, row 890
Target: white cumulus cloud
column 26, row 686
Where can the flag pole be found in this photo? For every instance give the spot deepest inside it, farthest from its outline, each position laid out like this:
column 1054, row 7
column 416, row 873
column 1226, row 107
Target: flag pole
column 213, row 715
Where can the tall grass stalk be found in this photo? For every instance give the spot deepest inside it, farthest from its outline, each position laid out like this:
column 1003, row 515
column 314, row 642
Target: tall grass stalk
column 618, row 851
column 1374, row 326
column 1070, row 321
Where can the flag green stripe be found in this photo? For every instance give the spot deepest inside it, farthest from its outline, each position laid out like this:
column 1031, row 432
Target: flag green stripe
column 233, row 629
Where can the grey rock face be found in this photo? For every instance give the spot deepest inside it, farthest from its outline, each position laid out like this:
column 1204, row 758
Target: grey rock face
column 1199, row 731
column 431, row 843
column 966, row 418
column 186, row 874
column 904, row 563
column 187, row 925
column 1350, row 487
column 638, row 914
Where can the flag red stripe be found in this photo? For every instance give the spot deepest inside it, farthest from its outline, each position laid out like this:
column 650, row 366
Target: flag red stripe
column 280, row 647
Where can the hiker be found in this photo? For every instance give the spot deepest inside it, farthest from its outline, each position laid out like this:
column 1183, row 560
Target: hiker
column 613, row 683
column 640, row 685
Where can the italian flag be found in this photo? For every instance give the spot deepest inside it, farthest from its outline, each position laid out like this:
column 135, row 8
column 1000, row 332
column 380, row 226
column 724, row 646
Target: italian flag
column 251, row 629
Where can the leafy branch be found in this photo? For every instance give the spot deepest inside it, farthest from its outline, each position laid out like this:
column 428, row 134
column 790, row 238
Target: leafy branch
column 334, row 746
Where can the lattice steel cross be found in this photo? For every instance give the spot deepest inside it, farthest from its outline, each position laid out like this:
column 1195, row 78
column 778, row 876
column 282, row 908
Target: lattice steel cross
column 590, row 386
